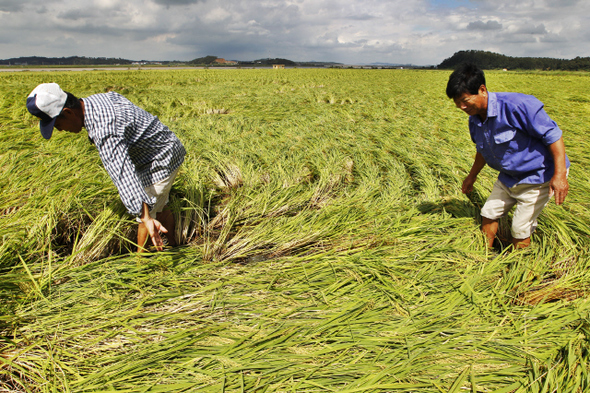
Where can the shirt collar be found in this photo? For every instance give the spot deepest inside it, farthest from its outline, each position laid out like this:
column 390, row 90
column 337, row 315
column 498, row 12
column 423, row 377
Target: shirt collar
column 492, row 110
column 492, row 105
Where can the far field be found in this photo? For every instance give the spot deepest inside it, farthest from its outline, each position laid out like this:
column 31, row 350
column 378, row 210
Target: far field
column 328, row 244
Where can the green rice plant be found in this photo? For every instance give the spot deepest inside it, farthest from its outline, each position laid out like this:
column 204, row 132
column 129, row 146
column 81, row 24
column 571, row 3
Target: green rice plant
column 326, row 243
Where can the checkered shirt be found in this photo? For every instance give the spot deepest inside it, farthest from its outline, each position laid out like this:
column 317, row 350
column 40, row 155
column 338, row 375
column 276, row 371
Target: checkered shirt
column 136, row 149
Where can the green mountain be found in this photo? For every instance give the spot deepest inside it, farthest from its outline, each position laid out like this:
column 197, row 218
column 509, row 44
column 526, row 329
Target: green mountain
column 490, row 60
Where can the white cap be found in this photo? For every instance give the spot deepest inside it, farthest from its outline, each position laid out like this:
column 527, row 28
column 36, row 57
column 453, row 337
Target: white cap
column 46, row 102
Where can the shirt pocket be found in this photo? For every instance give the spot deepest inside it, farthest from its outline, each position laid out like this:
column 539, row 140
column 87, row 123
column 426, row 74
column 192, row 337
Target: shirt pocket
column 502, row 143
column 504, row 136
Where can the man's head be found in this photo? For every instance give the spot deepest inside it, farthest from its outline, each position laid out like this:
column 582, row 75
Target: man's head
column 467, row 78
column 467, row 87
column 55, row 108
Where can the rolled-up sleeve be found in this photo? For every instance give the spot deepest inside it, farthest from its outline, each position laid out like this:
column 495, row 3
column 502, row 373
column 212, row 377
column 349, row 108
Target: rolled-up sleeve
column 536, row 122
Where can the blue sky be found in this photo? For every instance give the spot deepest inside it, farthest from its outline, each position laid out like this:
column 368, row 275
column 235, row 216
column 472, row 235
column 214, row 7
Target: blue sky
column 422, row 32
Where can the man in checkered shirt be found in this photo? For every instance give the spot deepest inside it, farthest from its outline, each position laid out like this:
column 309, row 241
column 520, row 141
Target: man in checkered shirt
column 141, row 155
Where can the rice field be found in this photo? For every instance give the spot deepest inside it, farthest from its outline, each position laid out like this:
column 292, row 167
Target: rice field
column 327, row 244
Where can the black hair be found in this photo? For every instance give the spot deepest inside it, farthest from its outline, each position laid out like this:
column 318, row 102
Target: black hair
column 72, row 101
column 467, row 78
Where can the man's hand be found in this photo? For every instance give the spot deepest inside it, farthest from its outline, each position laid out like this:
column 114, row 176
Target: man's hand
column 558, row 187
column 477, row 166
column 154, row 227
column 468, row 184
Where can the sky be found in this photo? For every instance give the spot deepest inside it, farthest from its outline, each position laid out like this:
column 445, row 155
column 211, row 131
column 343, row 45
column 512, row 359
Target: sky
column 419, row 32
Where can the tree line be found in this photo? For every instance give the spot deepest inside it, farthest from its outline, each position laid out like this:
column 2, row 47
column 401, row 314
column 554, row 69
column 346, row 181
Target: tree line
column 490, row 60
column 72, row 60
column 485, row 60
column 210, row 60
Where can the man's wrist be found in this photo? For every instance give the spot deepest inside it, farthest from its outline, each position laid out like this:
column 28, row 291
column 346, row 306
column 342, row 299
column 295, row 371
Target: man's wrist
column 145, row 213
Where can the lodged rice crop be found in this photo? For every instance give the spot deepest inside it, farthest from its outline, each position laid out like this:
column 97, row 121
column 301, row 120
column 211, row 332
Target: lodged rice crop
column 326, row 243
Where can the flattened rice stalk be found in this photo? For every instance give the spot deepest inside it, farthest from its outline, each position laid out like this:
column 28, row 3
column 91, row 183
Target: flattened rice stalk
column 329, row 245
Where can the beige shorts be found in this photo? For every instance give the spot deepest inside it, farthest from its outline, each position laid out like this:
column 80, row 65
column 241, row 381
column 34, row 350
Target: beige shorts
column 161, row 191
column 530, row 200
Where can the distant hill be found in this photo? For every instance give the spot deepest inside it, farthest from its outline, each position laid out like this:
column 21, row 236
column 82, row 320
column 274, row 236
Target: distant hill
column 213, row 60
column 485, row 60
column 209, row 60
column 73, row 60
column 490, row 60
column 203, row 60
column 392, row 65
column 269, row 61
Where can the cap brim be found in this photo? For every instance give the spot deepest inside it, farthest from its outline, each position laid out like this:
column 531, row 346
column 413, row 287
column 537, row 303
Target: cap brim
column 47, row 128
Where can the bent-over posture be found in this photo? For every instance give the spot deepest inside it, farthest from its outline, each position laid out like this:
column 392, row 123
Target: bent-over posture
column 140, row 154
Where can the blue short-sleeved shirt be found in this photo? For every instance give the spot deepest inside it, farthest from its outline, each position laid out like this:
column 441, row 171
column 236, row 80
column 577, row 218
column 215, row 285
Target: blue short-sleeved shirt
column 514, row 138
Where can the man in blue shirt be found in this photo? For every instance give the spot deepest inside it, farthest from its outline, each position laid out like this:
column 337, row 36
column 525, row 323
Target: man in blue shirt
column 514, row 135
column 140, row 154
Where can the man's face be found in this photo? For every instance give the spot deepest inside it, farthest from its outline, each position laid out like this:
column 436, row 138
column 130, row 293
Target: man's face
column 474, row 104
column 68, row 121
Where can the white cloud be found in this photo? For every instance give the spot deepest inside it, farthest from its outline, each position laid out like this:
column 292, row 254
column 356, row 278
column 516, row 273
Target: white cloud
column 217, row 15
column 349, row 31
